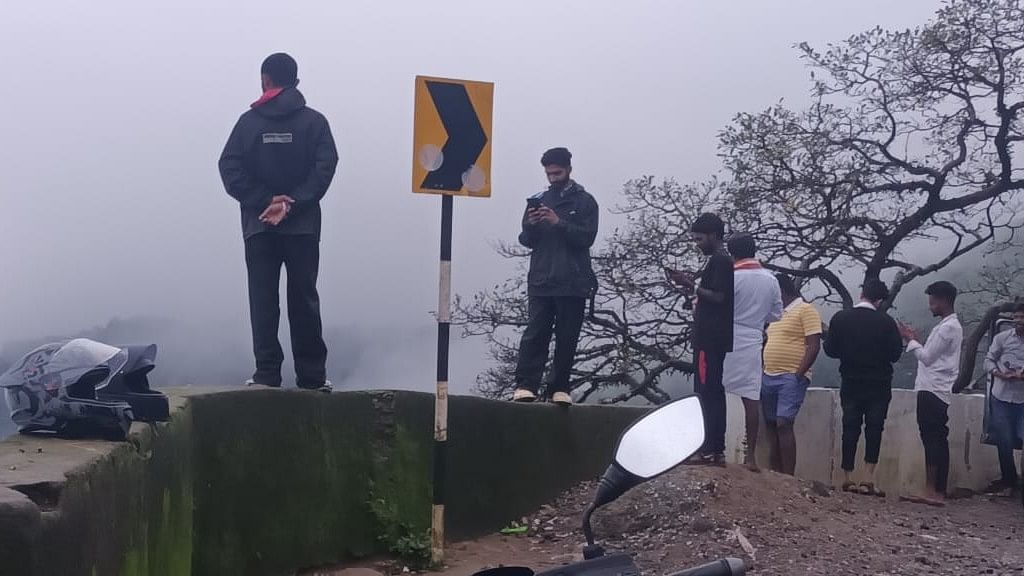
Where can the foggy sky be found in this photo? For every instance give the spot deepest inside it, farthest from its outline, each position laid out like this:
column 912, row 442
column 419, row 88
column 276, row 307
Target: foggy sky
column 115, row 113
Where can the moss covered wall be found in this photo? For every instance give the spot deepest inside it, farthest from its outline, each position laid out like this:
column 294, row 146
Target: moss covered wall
column 254, row 482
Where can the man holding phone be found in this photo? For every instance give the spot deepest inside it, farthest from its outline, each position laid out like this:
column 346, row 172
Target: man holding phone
column 559, row 227
column 712, row 338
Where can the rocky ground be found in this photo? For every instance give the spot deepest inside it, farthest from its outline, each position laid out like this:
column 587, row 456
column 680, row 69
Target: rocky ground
column 776, row 524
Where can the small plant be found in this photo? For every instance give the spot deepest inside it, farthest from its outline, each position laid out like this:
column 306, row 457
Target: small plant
column 402, row 538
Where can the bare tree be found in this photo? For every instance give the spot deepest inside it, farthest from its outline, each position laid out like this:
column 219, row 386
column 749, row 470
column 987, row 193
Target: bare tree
column 909, row 144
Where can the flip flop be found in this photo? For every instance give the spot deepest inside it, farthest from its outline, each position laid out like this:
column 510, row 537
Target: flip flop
column 868, row 489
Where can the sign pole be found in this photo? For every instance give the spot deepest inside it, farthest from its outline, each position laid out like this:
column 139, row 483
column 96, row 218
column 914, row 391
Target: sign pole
column 441, row 402
column 451, row 157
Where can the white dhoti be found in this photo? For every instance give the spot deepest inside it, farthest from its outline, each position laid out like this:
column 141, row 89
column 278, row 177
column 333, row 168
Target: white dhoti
column 742, row 372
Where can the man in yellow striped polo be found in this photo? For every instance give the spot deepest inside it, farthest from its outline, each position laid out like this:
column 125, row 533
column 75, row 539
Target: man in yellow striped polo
column 792, row 347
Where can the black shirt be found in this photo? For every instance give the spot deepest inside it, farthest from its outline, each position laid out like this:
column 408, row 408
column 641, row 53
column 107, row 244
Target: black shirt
column 712, row 322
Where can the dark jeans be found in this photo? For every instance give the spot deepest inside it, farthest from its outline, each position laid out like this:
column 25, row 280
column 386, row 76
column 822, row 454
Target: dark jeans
column 712, row 399
column 865, row 404
column 561, row 316
column 300, row 255
column 932, row 421
column 1008, row 425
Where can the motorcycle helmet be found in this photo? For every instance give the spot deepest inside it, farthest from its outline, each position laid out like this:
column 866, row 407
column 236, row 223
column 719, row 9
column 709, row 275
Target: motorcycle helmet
column 53, row 389
column 131, row 384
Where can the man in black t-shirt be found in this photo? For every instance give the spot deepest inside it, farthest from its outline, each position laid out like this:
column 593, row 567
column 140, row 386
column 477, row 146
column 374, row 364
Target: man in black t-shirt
column 712, row 329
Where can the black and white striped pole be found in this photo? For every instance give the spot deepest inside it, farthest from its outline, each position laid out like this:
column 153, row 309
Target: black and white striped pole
column 444, row 319
column 451, row 157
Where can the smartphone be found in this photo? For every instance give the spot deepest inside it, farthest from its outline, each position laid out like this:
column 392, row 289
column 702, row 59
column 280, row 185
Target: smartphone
column 533, row 203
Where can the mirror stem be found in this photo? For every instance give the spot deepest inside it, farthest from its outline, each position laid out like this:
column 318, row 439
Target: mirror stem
column 588, row 532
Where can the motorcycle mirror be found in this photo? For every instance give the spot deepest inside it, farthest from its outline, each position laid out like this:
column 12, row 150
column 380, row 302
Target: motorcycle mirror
column 656, row 443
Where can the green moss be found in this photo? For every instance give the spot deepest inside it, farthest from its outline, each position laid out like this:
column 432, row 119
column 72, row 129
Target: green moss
column 400, row 497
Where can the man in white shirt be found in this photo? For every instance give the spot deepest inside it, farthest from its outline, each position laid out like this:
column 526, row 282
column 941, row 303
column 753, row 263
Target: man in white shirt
column 938, row 364
column 757, row 302
column 1005, row 362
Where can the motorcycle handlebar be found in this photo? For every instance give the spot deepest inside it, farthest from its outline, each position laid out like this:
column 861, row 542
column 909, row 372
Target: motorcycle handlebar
column 723, row 567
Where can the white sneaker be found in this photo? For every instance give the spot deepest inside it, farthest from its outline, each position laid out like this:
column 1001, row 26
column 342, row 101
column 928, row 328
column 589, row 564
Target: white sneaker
column 562, row 398
column 523, row 395
column 326, row 387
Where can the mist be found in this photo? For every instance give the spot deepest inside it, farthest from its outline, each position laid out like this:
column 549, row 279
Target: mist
column 114, row 222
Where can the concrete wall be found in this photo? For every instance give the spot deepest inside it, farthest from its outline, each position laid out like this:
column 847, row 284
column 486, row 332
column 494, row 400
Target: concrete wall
column 264, row 481
column 901, row 462
column 98, row 508
column 254, row 482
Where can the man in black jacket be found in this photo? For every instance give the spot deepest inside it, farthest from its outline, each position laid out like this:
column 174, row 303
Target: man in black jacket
column 278, row 163
column 867, row 343
column 559, row 226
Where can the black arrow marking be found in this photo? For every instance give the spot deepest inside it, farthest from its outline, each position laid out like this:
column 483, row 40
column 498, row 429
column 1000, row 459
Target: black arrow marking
column 466, row 137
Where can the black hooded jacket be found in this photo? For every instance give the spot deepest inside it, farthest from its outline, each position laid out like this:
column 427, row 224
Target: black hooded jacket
column 280, row 146
column 560, row 258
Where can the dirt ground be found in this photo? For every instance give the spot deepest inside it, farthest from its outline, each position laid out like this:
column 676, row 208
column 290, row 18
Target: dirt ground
column 776, row 524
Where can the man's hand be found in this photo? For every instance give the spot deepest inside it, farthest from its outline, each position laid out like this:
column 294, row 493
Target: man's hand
column 279, row 208
column 684, row 280
column 908, row 333
column 1008, row 375
column 546, row 215
column 533, row 216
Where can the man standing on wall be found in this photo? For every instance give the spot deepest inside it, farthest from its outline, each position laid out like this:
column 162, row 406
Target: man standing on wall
column 756, row 303
column 559, row 227
column 938, row 365
column 278, row 163
column 792, row 347
column 712, row 329
column 867, row 343
column 1005, row 363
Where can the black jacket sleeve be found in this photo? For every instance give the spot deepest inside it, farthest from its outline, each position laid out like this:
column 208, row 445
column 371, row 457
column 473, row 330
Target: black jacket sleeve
column 239, row 184
column 325, row 161
column 582, row 232
column 528, row 237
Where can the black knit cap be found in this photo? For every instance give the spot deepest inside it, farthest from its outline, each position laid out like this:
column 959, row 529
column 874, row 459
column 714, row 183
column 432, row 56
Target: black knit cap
column 282, row 69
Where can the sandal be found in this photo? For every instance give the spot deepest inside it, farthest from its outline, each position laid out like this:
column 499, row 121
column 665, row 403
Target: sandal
column 851, row 487
column 868, row 489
